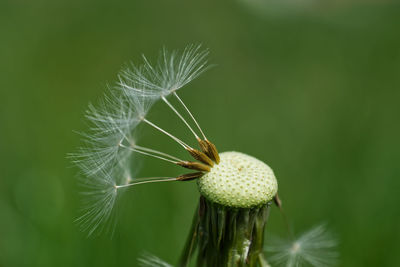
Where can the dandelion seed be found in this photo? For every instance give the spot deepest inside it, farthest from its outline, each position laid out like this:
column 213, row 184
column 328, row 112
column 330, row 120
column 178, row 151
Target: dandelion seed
column 316, row 247
column 99, row 199
column 149, row 260
column 105, row 159
column 172, row 72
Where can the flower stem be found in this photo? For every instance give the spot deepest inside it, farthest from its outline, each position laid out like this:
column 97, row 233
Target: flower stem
column 224, row 236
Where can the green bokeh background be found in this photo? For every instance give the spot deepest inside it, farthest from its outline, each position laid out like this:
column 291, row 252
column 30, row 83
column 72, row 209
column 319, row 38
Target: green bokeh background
column 310, row 88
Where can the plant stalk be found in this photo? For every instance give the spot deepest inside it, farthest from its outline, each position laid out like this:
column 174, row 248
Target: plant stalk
column 224, row 236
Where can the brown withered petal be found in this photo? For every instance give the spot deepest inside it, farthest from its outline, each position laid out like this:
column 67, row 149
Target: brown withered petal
column 200, row 156
column 189, row 176
column 212, row 151
column 204, row 147
column 277, row 201
column 194, row 165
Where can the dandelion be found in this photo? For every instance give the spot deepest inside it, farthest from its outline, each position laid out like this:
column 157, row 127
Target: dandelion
column 316, row 247
column 236, row 190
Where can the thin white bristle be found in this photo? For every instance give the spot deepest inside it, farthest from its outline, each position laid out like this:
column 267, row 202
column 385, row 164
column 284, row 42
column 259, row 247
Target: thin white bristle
column 180, row 116
column 138, row 181
column 176, row 139
column 157, row 152
column 149, row 260
column 147, row 154
column 191, row 115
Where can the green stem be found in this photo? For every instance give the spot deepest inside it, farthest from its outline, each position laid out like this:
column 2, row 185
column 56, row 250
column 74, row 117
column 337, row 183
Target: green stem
column 226, row 236
column 191, row 243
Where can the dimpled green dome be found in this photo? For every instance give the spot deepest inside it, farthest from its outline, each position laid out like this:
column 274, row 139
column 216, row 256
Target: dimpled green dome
column 239, row 181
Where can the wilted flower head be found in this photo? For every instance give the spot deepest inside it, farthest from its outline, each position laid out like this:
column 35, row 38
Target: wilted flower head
column 316, row 247
column 228, row 182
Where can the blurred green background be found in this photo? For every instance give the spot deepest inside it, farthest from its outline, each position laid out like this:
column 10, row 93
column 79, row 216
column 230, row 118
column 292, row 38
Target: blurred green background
column 310, row 87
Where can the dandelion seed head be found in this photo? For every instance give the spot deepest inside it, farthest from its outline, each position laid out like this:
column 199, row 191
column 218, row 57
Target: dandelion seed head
column 315, row 247
column 239, row 180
